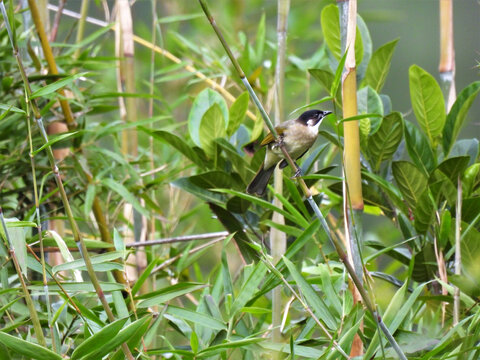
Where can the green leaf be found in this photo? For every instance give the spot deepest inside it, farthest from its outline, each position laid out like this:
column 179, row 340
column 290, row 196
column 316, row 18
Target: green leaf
column 56, row 85
column 379, row 66
column 454, row 167
column 368, row 101
column 313, row 299
column 11, row 108
column 260, row 39
column 96, row 259
column 98, row 339
column 237, row 113
column 249, row 287
column 215, row 349
column 27, row 348
column 331, row 32
column 217, row 179
column 187, row 185
column 66, row 254
column 383, row 144
column 123, row 336
column 427, row 102
column 212, row 127
column 424, row 212
column 89, row 197
column 196, row 317
column 410, row 181
column 177, row 18
column 202, row 103
column 54, row 140
column 419, row 149
column 126, row 195
column 176, row 142
column 457, row 115
column 395, row 314
column 170, row 292
column 17, row 239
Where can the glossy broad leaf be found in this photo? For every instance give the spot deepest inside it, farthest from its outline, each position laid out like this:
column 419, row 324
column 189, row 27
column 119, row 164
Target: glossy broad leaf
column 237, row 112
column 383, row 143
column 202, row 103
column 212, row 126
column 419, row 149
column 427, row 102
column 457, row 115
column 379, row 66
column 369, row 102
column 410, row 181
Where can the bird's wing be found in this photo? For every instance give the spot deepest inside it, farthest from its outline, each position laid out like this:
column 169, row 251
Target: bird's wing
column 279, row 129
column 267, row 139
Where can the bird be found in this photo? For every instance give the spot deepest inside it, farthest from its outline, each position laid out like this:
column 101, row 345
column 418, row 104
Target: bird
column 297, row 136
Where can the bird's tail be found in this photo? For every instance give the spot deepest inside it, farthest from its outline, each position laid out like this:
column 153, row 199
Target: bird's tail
column 259, row 183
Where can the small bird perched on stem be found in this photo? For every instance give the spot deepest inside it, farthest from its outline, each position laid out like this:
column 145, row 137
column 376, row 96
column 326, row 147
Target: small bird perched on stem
column 297, row 136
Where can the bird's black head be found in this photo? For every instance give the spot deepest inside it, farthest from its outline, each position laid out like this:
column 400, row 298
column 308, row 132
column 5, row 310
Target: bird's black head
column 312, row 117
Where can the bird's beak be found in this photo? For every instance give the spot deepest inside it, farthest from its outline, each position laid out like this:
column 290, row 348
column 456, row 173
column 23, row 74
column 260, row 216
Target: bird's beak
column 325, row 113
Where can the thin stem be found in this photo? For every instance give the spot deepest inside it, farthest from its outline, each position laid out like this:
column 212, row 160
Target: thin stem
column 458, row 251
column 81, row 26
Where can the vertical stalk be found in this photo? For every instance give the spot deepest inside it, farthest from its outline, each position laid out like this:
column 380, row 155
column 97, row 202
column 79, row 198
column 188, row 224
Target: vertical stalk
column 278, row 239
column 52, row 66
column 352, row 183
column 81, row 26
column 447, row 53
column 126, row 83
column 458, row 251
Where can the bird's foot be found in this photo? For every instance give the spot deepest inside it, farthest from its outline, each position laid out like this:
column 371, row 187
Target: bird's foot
column 298, row 173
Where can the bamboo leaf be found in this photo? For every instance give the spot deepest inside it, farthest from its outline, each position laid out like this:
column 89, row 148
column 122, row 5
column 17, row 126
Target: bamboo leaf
column 313, row 299
column 125, row 194
column 196, row 317
column 96, row 259
column 98, row 339
column 216, row 349
column 249, row 287
column 123, row 336
column 66, row 254
column 56, row 139
column 457, row 115
column 379, row 66
column 427, row 102
column 46, row 90
column 27, row 348
column 170, row 292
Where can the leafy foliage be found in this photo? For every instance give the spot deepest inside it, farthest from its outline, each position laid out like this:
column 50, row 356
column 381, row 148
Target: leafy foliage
column 197, row 150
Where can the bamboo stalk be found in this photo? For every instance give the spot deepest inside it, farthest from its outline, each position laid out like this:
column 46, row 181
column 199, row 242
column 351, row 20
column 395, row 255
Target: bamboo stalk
column 52, row 66
column 352, row 182
column 342, row 255
column 278, row 239
column 458, row 251
column 447, row 53
column 81, row 26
